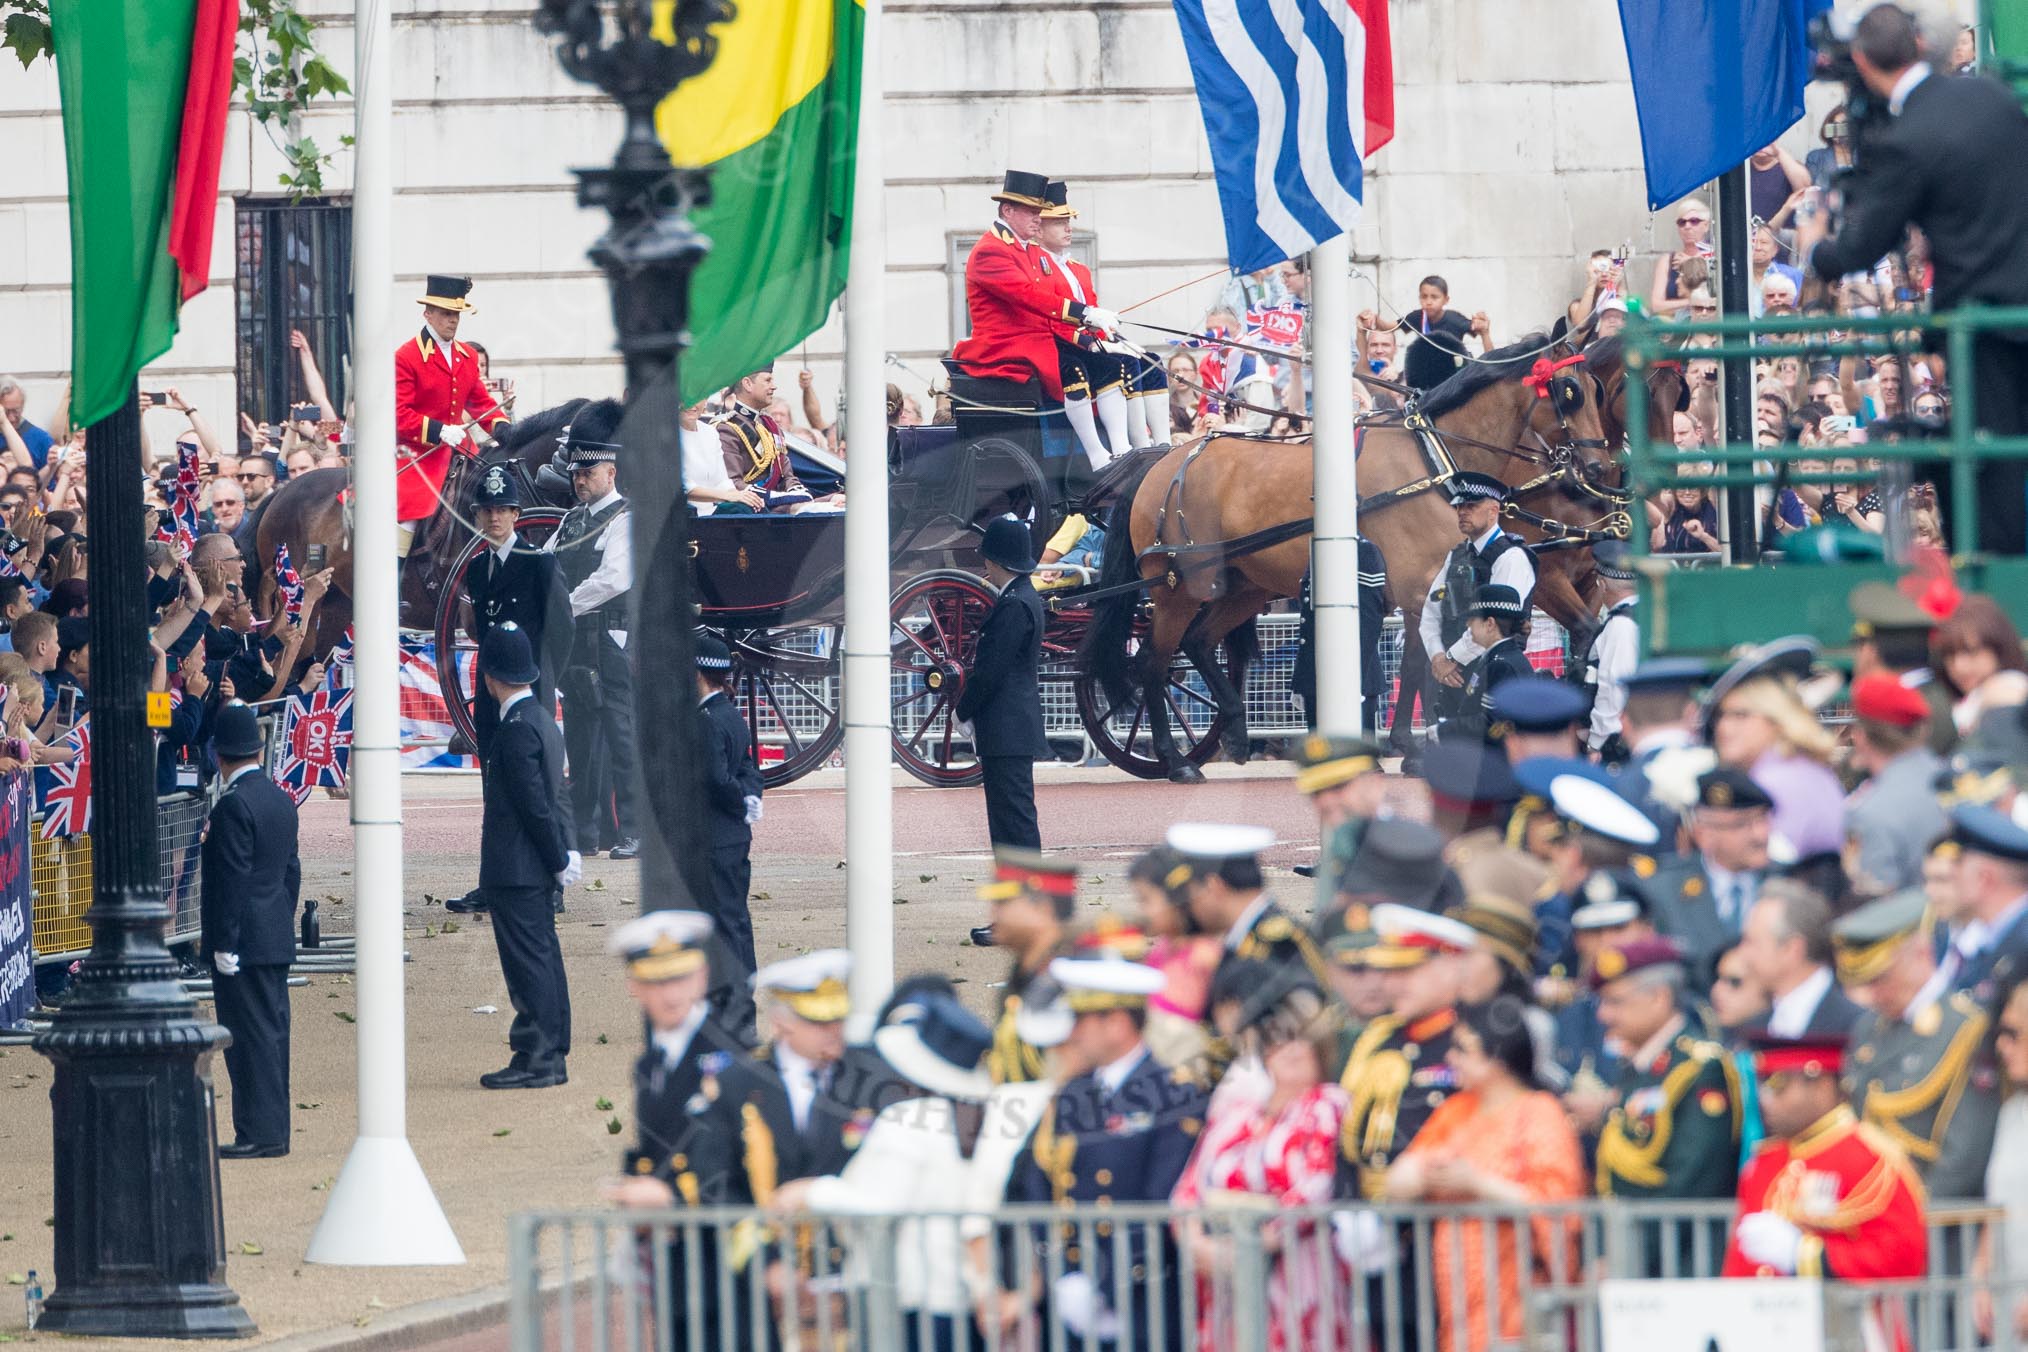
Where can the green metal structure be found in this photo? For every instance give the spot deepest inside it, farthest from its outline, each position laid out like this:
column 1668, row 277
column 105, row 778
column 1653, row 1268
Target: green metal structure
column 1708, row 611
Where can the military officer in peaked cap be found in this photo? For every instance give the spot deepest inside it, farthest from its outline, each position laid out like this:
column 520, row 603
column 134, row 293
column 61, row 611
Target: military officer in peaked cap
column 1033, row 897
column 437, row 390
column 1656, row 724
column 1486, row 555
column 1992, row 879
column 1701, row 898
column 1496, row 614
column 1675, row 1131
column 1119, row 1132
column 1538, row 716
column 676, row 1079
column 1227, row 894
column 526, row 854
column 1916, row 1067
column 1343, row 780
column 1890, row 635
column 594, row 550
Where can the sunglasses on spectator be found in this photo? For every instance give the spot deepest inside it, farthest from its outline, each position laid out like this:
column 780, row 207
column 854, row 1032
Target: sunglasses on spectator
column 1704, row 309
column 251, row 474
column 1692, row 220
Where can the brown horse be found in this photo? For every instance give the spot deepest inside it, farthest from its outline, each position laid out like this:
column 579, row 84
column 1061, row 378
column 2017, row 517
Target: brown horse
column 310, row 510
column 1504, row 416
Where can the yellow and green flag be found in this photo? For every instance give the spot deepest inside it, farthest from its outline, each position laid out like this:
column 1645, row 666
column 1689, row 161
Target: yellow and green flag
column 777, row 118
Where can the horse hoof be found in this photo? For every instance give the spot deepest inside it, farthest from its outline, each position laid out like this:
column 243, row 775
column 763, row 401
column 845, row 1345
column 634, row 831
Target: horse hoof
column 1186, row 773
column 1238, row 747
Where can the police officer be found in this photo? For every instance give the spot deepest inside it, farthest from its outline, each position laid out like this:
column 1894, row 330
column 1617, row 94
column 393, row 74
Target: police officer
column 732, row 804
column 1001, row 699
column 525, row 854
column 1119, row 1132
column 252, row 880
column 1495, row 619
column 1675, row 1131
column 509, row 582
column 1615, row 652
column 1033, row 897
column 594, row 551
column 1486, row 555
column 676, row 1079
column 1915, row 1067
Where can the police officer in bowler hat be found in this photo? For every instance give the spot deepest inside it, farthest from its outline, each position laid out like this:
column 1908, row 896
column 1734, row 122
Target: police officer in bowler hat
column 513, row 582
column 1001, row 699
column 252, row 880
column 732, row 804
column 524, row 854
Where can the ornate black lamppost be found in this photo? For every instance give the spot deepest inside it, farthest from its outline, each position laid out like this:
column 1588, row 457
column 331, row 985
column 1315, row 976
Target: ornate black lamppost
column 140, row 1236
column 648, row 255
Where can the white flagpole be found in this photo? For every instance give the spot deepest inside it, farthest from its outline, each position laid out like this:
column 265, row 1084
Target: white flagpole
column 869, row 783
column 382, row 1211
column 1334, row 548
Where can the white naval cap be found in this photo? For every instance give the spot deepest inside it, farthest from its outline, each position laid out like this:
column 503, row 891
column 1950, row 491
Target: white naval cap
column 1218, row 840
column 1602, row 810
column 1406, row 927
column 812, row 986
column 662, row 945
column 1108, row 982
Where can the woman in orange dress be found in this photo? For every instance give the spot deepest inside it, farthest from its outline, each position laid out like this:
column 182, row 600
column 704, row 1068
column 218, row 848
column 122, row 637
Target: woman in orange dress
column 1498, row 1140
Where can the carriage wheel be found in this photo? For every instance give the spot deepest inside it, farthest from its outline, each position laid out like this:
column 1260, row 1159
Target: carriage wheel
column 936, row 619
column 454, row 616
column 787, row 684
column 1121, row 732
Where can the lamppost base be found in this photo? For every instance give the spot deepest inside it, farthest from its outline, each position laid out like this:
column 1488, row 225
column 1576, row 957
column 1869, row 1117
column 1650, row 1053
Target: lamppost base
column 383, row 1213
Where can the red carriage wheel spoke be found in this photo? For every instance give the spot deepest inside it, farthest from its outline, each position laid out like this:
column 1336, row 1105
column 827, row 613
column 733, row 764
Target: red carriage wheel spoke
column 921, row 647
column 943, row 701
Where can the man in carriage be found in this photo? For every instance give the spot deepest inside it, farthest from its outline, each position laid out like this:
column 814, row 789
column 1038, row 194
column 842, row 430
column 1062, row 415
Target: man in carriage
column 1016, row 308
column 438, row 392
column 756, row 450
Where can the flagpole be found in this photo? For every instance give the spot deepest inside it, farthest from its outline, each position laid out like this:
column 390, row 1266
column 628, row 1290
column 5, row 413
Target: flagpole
column 1334, row 544
column 869, row 783
column 382, row 1211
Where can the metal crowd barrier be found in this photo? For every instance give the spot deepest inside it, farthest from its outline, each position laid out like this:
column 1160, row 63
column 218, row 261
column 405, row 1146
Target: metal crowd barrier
column 1240, row 1276
column 61, row 879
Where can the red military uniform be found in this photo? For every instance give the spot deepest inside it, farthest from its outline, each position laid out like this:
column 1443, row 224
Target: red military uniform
column 1014, row 306
column 1850, row 1191
column 431, row 390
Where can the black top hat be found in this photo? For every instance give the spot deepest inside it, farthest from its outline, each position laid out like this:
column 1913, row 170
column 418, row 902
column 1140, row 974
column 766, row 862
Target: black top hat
column 447, row 293
column 507, row 656
column 1058, row 196
column 237, row 733
column 1009, row 544
column 497, row 488
column 1028, row 190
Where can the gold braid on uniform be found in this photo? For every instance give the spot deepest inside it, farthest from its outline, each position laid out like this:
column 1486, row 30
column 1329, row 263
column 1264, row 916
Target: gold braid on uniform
column 1054, row 1154
column 1259, row 944
column 1012, row 1061
column 760, row 448
column 1869, row 1197
column 1885, row 1109
column 1641, row 1165
column 763, row 1173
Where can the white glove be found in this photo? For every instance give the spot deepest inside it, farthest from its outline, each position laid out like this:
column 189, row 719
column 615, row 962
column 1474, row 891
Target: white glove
column 573, row 869
column 226, row 963
column 1770, row 1241
column 1362, row 1241
column 1100, row 318
column 963, row 729
column 453, row 435
column 753, row 808
column 1082, row 1308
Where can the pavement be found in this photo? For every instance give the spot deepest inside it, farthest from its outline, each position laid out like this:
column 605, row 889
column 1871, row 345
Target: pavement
column 491, row 1154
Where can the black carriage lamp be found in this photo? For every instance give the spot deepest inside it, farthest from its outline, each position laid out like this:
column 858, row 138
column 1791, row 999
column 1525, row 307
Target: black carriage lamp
column 648, row 255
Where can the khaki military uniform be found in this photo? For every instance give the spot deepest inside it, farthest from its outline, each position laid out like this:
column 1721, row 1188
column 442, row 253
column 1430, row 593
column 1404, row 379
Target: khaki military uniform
column 1923, row 1082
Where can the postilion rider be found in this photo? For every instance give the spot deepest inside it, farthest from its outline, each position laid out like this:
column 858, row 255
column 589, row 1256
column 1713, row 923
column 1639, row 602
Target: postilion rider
column 438, row 390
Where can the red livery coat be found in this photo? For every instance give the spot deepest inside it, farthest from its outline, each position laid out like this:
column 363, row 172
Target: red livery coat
column 428, row 393
column 1853, row 1194
column 1013, row 305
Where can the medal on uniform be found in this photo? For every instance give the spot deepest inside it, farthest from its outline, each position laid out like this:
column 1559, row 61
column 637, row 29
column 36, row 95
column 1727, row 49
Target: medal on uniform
column 854, row 1131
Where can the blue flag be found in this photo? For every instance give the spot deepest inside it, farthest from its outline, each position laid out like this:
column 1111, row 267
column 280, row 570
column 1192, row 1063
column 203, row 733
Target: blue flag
column 1714, row 81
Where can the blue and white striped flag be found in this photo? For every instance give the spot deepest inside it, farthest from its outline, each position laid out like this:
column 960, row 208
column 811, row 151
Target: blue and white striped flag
column 1295, row 93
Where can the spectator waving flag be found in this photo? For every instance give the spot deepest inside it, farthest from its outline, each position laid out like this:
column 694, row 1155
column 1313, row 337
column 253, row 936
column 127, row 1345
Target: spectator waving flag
column 1713, row 82
column 1295, row 95
column 184, row 511
column 341, row 661
column 290, row 583
column 67, row 795
column 316, row 741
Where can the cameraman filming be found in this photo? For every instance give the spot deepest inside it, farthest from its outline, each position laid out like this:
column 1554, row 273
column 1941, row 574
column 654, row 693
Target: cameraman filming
column 1952, row 158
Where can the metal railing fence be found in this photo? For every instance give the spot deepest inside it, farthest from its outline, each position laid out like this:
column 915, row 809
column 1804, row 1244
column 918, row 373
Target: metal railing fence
column 61, row 879
column 1242, row 1275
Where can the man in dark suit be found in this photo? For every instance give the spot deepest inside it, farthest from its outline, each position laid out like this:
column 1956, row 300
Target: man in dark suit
column 518, row 584
column 1992, row 881
column 732, row 804
column 1953, row 160
column 524, row 854
column 1701, row 899
column 1787, row 946
column 1001, row 700
column 252, row 879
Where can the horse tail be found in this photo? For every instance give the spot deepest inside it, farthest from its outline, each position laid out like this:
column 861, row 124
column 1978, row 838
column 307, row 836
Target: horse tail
column 1104, row 650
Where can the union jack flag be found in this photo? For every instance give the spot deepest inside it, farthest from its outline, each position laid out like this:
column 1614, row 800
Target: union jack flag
column 182, row 524
column 426, row 725
column 290, row 582
column 67, row 799
column 316, row 742
column 1276, row 325
column 341, row 661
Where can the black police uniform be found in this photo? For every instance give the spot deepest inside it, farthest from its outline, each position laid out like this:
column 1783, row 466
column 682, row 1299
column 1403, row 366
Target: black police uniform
column 1098, row 1148
column 1002, row 699
column 252, row 880
column 730, row 778
column 1375, row 604
column 1502, row 662
column 525, row 587
column 1466, row 572
column 524, row 843
column 598, row 681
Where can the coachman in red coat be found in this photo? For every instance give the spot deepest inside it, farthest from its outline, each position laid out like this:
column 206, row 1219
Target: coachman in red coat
column 1012, row 304
column 437, row 391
